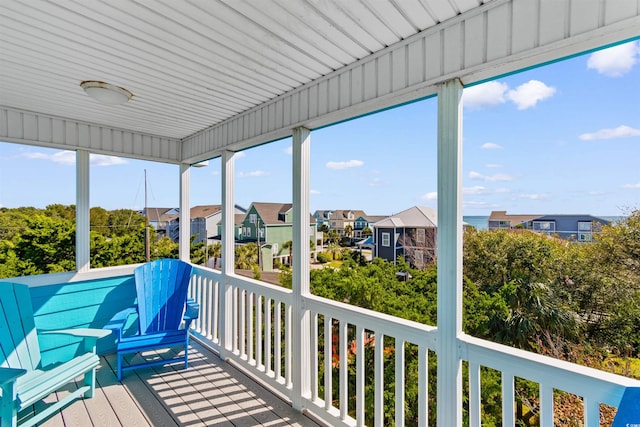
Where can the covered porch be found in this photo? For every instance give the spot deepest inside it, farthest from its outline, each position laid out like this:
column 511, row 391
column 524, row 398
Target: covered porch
column 263, row 81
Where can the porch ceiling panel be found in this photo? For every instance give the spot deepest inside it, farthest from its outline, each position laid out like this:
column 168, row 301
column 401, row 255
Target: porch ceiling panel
column 214, row 74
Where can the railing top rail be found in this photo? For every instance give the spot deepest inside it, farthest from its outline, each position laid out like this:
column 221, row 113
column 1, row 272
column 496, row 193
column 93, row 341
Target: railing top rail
column 397, row 327
column 603, row 386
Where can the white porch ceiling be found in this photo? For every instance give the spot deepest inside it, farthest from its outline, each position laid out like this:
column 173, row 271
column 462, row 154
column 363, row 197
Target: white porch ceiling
column 215, row 74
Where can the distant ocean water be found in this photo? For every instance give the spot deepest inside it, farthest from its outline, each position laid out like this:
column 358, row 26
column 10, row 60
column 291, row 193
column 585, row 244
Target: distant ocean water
column 480, row 222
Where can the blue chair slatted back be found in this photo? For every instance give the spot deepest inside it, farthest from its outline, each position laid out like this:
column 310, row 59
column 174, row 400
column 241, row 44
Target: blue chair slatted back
column 18, row 335
column 161, row 288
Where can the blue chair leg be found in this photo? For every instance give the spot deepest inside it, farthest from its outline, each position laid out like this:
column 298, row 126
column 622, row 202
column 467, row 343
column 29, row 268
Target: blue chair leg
column 119, row 366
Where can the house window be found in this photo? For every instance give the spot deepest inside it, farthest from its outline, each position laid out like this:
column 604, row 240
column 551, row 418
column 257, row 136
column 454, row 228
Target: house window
column 261, row 233
column 386, row 239
column 253, row 218
column 544, row 226
column 419, row 258
column 420, row 235
column 585, row 226
column 584, row 237
column 585, row 229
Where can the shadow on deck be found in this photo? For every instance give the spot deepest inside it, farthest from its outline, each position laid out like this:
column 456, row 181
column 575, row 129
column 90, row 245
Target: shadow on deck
column 210, row 393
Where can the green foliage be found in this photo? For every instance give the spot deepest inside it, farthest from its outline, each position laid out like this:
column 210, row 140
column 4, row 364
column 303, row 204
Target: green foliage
column 246, row 256
column 323, row 257
column 40, row 241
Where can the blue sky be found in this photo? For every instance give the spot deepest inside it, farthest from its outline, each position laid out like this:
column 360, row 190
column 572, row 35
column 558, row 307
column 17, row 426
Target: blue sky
column 563, row 138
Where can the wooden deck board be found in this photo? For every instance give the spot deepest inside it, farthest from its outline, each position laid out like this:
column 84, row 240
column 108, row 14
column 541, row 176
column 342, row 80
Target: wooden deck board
column 210, row 392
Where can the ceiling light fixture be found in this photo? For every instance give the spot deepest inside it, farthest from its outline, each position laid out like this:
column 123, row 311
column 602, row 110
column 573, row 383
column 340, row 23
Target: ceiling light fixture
column 106, row 93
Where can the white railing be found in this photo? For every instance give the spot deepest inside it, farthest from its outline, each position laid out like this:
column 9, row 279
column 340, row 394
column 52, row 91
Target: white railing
column 361, row 348
column 595, row 387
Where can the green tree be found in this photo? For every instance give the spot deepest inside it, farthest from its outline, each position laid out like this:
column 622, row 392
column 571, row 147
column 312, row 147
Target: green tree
column 246, row 256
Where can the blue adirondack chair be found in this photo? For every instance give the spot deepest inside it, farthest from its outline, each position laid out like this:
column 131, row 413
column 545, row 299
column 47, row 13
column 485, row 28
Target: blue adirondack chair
column 163, row 309
column 23, row 379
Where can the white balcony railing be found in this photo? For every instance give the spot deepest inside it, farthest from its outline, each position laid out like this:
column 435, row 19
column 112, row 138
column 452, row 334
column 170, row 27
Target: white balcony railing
column 258, row 321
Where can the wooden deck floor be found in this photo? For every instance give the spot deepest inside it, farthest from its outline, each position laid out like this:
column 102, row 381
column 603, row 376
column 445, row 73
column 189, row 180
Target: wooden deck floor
column 210, row 393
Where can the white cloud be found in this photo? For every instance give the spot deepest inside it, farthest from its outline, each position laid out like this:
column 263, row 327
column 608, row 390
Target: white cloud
column 344, row 165
column 312, row 191
column 252, row 174
column 493, row 166
column 533, row 196
column 474, row 191
column 376, row 182
column 102, row 160
column 288, row 150
column 487, row 94
column 528, row 94
column 615, row 61
column 491, row 146
column 430, row 196
column 619, row 132
column 490, row 178
column 632, row 186
column 478, row 190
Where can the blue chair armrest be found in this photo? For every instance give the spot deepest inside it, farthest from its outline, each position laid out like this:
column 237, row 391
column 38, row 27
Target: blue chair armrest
column 9, row 375
column 89, row 335
column 119, row 320
column 192, row 311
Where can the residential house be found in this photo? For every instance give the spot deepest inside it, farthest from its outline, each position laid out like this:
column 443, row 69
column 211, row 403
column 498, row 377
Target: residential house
column 322, row 217
column 410, row 234
column 343, row 221
column 204, row 223
column 578, row 228
column 363, row 222
column 270, row 226
column 159, row 218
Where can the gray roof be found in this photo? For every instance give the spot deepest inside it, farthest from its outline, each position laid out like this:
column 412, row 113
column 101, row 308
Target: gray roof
column 417, row 216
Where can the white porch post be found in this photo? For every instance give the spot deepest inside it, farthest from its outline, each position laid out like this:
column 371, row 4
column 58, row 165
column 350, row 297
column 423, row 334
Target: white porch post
column 301, row 254
column 83, row 252
column 228, row 252
column 449, row 252
column 185, row 214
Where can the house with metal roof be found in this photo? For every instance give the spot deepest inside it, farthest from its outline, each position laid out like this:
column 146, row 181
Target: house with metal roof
column 410, row 234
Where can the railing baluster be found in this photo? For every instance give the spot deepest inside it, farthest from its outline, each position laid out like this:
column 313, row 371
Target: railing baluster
column 259, row 331
column 234, row 322
column 399, row 382
column 243, row 324
column 328, row 366
column 267, row 336
column 278, row 344
column 360, row 375
column 313, row 351
column 344, row 380
column 215, row 317
column 546, row 405
column 250, row 326
column 379, row 379
column 288, row 360
column 591, row 413
column 508, row 397
column 423, row 385
column 475, row 401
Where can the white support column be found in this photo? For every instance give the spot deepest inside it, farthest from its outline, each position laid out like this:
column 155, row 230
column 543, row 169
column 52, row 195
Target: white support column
column 83, row 252
column 185, row 214
column 301, row 255
column 449, row 252
column 228, row 252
